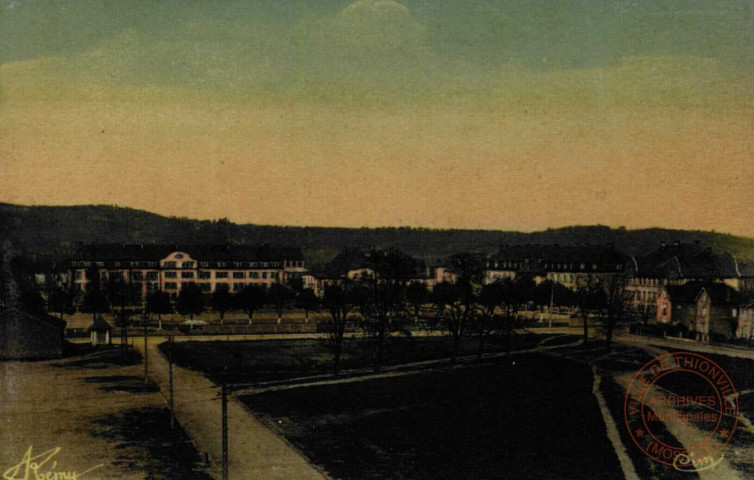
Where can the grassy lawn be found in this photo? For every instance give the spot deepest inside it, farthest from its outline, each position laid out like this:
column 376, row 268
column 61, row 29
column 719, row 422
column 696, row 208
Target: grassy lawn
column 147, row 444
column 535, row 418
column 267, row 360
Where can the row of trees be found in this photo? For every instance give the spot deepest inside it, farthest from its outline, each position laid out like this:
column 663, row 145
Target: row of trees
column 382, row 302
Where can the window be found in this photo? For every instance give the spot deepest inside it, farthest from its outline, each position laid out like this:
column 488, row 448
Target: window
column 264, row 275
column 171, row 286
column 169, row 265
column 171, row 275
column 153, row 275
column 187, row 274
column 205, row 275
column 134, row 264
column 204, row 264
column 253, row 274
column 179, row 256
column 100, row 264
column 734, row 313
column 188, row 264
column 221, row 274
column 594, row 266
column 220, row 264
column 138, row 276
column 237, row 287
column 205, row 287
column 239, row 275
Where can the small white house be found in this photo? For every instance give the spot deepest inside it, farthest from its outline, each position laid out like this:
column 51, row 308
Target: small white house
column 100, row 331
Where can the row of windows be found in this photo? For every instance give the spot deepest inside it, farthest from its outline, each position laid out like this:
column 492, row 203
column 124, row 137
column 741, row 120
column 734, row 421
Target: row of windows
column 203, row 275
column 204, row 287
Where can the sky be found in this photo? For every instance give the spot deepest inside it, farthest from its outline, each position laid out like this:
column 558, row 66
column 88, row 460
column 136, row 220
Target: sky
column 493, row 114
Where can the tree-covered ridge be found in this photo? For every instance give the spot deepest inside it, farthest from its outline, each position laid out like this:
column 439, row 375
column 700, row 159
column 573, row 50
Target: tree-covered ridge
column 55, row 230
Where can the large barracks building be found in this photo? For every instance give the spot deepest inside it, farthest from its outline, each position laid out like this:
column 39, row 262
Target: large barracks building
column 169, row 267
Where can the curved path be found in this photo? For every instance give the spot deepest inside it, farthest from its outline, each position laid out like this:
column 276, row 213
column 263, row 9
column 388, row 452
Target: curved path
column 255, row 452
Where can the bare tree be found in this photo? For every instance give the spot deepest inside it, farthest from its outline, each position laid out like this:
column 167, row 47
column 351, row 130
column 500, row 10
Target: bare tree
column 615, row 304
column 588, row 295
column 490, row 297
column 516, row 292
column 340, row 299
column 385, row 303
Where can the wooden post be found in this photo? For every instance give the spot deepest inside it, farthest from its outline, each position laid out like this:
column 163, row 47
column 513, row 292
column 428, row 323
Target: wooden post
column 146, row 350
column 170, row 369
column 225, row 429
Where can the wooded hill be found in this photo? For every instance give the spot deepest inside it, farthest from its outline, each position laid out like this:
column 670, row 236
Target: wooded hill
column 53, row 231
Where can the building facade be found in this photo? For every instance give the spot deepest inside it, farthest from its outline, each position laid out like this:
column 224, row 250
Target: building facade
column 567, row 265
column 170, row 267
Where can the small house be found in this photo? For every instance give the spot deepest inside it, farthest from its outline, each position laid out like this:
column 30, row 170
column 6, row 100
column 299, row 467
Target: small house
column 99, row 331
column 25, row 335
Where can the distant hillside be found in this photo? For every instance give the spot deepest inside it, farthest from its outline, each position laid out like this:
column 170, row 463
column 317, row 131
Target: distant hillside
column 54, row 230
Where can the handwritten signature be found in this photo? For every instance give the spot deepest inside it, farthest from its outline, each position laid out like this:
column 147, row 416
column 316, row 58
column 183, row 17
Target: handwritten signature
column 30, row 468
column 683, row 463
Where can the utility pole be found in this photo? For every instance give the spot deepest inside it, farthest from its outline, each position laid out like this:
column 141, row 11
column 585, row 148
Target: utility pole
column 225, row 429
column 170, row 369
column 146, row 349
column 552, row 295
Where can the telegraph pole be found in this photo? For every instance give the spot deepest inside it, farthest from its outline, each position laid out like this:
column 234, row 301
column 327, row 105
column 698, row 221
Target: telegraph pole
column 170, row 369
column 146, row 349
column 225, row 429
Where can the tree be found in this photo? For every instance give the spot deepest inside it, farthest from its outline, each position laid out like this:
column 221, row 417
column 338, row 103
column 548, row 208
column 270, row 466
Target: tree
column 340, row 299
column 159, row 302
column 307, row 301
column 385, row 302
column 280, row 297
column 455, row 305
column 456, row 300
column 222, row 300
column 588, row 292
column 95, row 300
column 250, row 299
column 516, row 292
column 490, row 297
column 614, row 304
column 417, row 295
column 190, row 301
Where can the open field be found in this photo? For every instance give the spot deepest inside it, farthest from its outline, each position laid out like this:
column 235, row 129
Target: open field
column 529, row 416
column 96, row 408
column 260, row 361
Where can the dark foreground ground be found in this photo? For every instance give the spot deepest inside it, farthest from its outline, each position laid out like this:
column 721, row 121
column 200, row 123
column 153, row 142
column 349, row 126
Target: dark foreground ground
column 527, row 417
column 269, row 360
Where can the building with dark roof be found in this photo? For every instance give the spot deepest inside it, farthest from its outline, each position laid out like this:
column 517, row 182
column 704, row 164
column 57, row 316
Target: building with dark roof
column 678, row 264
column 564, row 264
column 29, row 336
column 704, row 308
column 169, row 267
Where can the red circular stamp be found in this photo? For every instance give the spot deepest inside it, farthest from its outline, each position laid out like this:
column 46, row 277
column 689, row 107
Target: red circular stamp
column 681, row 410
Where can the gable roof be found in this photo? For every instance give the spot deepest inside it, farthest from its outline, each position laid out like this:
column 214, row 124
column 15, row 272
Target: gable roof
column 99, row 324
column 684, row 260
column 719, row 293
column 12, row 312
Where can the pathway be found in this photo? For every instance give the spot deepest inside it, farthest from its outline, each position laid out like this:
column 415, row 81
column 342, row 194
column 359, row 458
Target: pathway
column 255, row 452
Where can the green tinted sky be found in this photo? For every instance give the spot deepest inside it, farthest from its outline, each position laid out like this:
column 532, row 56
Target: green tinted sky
column 487, row 114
